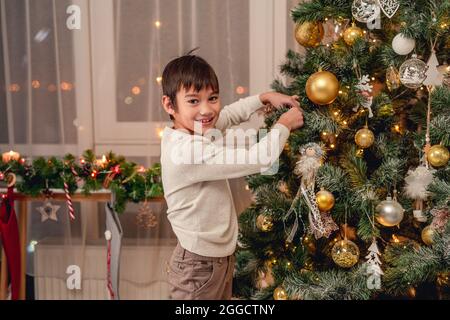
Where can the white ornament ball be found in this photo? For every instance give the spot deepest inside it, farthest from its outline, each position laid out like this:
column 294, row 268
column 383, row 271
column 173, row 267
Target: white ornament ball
column 403, row 45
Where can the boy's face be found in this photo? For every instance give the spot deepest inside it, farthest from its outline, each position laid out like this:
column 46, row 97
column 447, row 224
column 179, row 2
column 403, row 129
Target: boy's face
column 201, row 108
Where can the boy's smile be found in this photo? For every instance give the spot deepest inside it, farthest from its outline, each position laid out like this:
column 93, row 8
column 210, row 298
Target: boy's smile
column 196, row 109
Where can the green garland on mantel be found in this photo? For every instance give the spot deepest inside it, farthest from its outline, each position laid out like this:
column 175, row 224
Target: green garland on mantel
column 129, row 181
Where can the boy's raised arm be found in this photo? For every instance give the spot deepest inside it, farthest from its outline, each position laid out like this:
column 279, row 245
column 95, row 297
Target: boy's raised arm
column 241, row 110
column 216, row 162
column 238, row 112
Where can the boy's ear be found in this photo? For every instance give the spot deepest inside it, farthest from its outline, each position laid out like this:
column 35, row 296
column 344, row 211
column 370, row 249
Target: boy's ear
column 167, row 105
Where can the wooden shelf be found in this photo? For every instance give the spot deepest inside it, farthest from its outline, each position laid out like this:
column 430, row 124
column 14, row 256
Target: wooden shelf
column 58, row 195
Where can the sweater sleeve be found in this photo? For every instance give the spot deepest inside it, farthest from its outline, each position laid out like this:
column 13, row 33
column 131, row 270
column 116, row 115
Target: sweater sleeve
column 238, row 112
column 210, row 160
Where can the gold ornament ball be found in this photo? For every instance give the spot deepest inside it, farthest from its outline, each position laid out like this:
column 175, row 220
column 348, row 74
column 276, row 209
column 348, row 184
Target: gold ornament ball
column 345, row 253
column 309, row 34
column 264, row 222
column 438, row 156
column 322, row 87
column 389, row 212
column 325, row 200
column 280, row 294
column 427, row 235
column 351, row 34
column 364, row 137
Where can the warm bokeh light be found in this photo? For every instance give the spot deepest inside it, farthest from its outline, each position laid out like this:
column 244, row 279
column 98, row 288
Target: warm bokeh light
column 35, row 84
column 66, row 86
column 394, row 237
column 240, row 90
column 136, row 90
column 14, row 87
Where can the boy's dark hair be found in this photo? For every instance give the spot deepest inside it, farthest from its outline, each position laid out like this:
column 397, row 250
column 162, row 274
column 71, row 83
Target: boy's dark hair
column 187, row 71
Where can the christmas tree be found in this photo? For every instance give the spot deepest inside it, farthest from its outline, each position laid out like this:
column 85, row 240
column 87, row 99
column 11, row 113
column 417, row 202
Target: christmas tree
column 358, row 208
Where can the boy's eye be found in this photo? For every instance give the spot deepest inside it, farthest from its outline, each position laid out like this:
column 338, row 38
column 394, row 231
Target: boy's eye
column 214, row 98
column 193, row 101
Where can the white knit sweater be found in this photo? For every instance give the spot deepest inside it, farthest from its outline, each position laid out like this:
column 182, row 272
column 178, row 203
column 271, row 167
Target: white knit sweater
column 198, row 195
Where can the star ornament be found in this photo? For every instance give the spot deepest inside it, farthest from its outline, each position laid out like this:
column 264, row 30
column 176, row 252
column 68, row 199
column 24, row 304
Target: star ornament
column 48, row 211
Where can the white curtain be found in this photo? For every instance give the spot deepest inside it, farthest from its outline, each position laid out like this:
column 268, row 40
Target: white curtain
column 38, row 116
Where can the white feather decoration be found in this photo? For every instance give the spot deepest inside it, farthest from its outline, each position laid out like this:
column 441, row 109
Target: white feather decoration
column 417, row 181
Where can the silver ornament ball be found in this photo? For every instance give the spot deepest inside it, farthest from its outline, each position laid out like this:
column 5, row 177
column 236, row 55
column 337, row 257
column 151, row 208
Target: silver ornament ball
column 389, row 212
column 413, row 72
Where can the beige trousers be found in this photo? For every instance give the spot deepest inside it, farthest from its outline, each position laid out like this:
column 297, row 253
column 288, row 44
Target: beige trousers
column 195, row 277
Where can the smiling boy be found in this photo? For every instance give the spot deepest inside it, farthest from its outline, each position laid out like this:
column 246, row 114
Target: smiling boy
column 199, row 200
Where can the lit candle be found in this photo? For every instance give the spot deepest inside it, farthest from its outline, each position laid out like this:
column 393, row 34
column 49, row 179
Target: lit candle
column 101, row 162
column 141, row 169
column 10, row 156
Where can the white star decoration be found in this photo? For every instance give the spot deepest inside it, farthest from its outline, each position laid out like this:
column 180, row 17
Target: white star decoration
column 48, row 211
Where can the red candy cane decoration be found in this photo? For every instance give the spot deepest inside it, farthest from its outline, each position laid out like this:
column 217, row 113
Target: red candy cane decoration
column 67, row 193
column 108, row 262
column 69, row 201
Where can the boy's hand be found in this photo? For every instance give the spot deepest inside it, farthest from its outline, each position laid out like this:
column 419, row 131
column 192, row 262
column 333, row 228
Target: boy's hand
column 278, row 99
column 292, row 119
